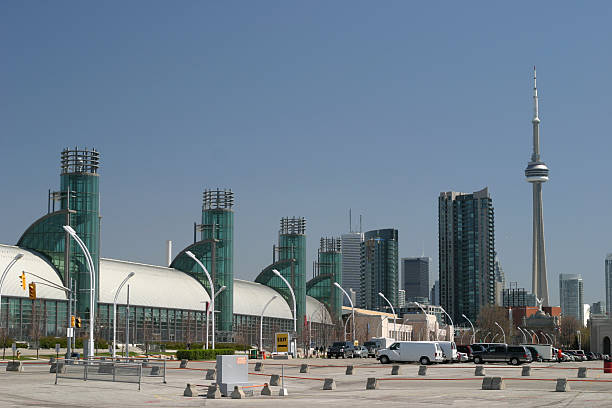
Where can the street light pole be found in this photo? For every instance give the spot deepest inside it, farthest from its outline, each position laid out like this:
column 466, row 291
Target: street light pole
column 393, row 311
column 451, row 321
column 212, row 291
column 352, row 310
column 473, row 331
column 524, row 337
column 497, row 324
column 426, row 325
column 115, row 312
column 261, row 348
column 8, row 267
column 485, row 337
column 92, row 287
column 277, row 273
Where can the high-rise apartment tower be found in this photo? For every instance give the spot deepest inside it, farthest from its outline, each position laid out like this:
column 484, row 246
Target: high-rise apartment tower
column 379, row 269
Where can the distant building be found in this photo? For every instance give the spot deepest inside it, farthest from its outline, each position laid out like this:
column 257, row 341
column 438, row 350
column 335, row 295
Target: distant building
column 434, row 297
column 351, row 258
column 571, row 294
column 401, row 298
column 517, row 297
column 598, row 308
column 466, row 234
column 608, row 272
column 379, row 269
column 415, row 278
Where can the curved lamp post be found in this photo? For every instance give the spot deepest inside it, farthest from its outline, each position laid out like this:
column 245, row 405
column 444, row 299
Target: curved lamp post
column 352, row 311
column 261, row 322
column 485, row 337
column 473, row 330
column 277, row 273
column 8, row 267
column 115, row 312
column 500, row 328
column 92, row 287
column 393, row 311
column 212, row 291
column 536, row 336
column 425, row 314
column 494, row 337
column 452, row 324
column 523, row 333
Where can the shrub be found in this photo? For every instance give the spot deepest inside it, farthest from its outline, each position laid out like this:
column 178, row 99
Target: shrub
column 200, row 354
column 49, row 342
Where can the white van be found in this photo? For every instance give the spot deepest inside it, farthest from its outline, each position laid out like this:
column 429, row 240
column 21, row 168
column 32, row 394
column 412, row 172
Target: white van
column 449, row 349
column 412, row 351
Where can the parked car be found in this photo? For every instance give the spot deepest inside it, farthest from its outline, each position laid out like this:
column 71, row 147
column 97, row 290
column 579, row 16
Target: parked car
column 510, row 354
column 342, row 349
column 372, row 347
column 361, row 352
column 412, row 351
column 462, row 357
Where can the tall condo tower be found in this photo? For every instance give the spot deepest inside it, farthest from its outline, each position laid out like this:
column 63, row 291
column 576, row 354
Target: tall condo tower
column 218, row 225
column 379, row 269
column 327, row 270
column 536, row 174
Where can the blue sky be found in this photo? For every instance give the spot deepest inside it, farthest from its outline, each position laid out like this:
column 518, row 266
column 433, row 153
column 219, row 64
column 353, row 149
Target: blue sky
column 309, row 109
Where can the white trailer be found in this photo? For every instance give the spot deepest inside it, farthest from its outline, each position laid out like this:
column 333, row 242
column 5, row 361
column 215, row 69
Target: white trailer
column 544, row 350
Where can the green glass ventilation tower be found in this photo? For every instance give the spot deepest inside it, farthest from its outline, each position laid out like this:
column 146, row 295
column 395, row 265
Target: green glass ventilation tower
column 327, row 270
column 79, row 198
column 218, row 225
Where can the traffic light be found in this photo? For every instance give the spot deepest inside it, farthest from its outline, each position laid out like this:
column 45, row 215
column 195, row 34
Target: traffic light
column 32, row 288
column 72, row 319
column 23, row 280
column 78, row 322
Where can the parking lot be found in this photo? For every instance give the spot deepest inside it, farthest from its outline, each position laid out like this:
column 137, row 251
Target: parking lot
column 443, row 385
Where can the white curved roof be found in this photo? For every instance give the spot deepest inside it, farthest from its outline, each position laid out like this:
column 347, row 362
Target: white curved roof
column 30, row 262
column 317, row 311
column 152, row 286
column 250, row 299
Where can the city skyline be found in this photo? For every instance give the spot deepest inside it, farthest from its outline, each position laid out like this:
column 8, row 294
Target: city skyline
column 343, row 106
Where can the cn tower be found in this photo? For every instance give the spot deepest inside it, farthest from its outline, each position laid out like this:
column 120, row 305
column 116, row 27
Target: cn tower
column 537, row 174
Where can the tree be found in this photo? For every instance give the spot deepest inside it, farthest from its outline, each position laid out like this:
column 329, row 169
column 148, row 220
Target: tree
column 486, row 322
column 569, row 326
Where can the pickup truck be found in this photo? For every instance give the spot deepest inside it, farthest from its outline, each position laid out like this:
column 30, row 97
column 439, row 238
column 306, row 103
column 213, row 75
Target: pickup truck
column 342, row 349
column 503, row 353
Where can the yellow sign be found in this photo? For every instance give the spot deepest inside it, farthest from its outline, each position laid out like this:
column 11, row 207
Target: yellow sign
column 282, row 342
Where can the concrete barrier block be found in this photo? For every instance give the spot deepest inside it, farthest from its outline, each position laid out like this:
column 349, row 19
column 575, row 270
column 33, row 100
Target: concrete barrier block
column 213, row 392
column 349, row 370
column 183, row 364
column 274, row 379
column 190, row 391
column 155, row 370
column 582, row 372
column 211, row 374
column 423, row 370
column 304, row 368
column 266, row 390
column 238, row 393
column 329, row 384
column 526, row 371
column 14, row 366
column 395, row 370
column 52, row 360
column 486, row 383
column 283, row 392
column 497, row 383
column 479, row 371
column 259, row 366
column 372, row 384
column 562, row 385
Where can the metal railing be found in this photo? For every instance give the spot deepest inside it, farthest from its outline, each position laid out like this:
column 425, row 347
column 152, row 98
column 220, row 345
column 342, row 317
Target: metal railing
column 151, row 367
column 88, row 370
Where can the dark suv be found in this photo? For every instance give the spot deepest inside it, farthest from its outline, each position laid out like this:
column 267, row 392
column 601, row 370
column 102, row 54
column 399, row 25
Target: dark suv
column 342, row 349
column 503, row 353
